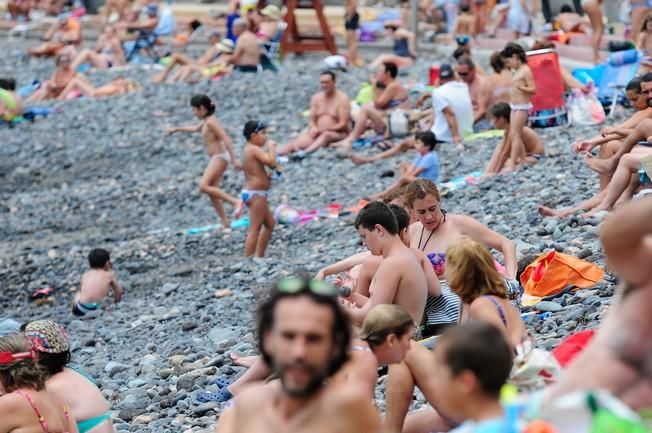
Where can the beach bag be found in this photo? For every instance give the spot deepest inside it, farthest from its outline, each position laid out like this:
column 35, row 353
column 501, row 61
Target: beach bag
column 553, row 271
column 585, row 109
column 398, row 123
column 533, row 368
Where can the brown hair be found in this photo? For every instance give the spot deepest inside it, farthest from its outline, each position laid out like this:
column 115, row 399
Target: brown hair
column 385, row 319
column 471, row 272
column 542, row 44
column 420, row 189
column 21, row 373
column 497, row 62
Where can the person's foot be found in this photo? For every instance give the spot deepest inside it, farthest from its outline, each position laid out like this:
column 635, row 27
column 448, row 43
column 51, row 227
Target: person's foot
column 158, row 78
column 605, row 167
column 242, row 361
column 343, row 151
column 545, row 211
column 359, row 159
column 597, row 211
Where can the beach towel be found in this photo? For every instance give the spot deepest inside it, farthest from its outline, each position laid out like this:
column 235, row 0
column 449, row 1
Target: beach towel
column 553, row 271
column 461, row 181
column 490, row 133
column 572, row 346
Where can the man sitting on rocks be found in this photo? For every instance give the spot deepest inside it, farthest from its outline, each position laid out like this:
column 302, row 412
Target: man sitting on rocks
column 399, row 279
column 246, row 56
column 389, row 95
column 330, row 114
column 304, row 336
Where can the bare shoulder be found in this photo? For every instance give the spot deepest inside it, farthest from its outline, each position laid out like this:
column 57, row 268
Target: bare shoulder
column 343, row 97
column 255, row 396
column 317, row 97
column 346, row 395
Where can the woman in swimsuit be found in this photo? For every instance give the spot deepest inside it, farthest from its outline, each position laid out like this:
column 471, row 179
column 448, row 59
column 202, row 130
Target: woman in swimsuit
column 26, row 406
column 80, row 393
column 54, row 87
column 220, row 153
column 434, row 232
column 593, row 9
column 80, row 84
column 107, row 53
column 404, row 49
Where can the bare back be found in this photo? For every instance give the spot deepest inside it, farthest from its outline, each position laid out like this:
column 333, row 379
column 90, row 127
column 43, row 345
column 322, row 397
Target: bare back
column 256, row 177
column 248, row 48
column 95, row 285
column 23, row 418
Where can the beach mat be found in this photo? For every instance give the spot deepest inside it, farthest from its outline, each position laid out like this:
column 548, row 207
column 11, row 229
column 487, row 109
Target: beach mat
column 491, row 133
column 461, row 181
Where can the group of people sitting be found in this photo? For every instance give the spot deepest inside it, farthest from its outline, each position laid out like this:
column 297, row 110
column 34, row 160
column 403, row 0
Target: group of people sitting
column 323, row 344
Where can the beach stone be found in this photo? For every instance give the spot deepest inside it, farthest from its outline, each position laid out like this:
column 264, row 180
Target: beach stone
column 548, row 306
column 113, row 368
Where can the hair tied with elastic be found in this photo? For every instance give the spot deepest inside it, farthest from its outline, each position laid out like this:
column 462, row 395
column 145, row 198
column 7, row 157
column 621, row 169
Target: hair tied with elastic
column 8, row 357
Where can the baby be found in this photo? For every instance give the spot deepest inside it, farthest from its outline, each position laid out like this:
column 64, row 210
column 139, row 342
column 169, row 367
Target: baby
column 95, row 283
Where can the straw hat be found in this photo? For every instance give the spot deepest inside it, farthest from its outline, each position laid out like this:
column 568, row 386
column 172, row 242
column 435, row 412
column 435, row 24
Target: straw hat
column 226, row 46
column 272, row 12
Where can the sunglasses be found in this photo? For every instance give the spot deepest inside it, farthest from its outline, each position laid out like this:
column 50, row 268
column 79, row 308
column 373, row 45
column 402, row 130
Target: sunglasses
column 463, row 74
column 7, row 357
column 260, row 126
column 292, row 285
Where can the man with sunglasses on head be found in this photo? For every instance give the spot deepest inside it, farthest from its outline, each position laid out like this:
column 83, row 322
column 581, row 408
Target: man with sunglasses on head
column 400, row 278
column 330, row 115
column 304, row 335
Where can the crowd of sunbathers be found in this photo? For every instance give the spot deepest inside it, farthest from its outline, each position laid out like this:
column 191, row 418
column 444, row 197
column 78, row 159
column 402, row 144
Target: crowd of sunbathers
column 427, row 274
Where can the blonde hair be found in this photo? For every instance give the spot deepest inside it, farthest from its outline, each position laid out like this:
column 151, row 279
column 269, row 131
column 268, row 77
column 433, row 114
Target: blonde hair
column 21, row 373
column 420, row 189
column 471, row 271
column 382, row 320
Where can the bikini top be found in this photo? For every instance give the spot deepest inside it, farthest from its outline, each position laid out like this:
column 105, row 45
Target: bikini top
column 438, row 262
column 41, row 420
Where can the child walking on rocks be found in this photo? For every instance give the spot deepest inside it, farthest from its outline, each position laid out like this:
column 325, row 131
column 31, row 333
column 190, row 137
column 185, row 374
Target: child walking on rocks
column 95, row 283
column 219, row 148
column 523, row 88
column 257, row 183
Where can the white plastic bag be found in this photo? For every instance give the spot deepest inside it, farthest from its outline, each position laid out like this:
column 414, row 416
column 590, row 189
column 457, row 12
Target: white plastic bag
column 585, row 109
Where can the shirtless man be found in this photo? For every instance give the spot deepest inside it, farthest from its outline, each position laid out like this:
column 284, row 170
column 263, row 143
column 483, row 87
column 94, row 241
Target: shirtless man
column 246, row 56
column 330, row 114
column 304, row 335
column 619, row 357
column 399, row 279
column 389, row 94
column 479, row 89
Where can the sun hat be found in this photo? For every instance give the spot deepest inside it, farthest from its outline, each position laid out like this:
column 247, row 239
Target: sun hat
column 226, row 46
column 47, row 336
column 271, row 11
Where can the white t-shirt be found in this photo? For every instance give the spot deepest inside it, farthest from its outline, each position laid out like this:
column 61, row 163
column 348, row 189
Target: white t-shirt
column 456, row 95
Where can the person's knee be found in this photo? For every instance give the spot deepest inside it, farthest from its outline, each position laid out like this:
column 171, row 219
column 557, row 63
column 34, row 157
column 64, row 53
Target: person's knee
column 204, row 187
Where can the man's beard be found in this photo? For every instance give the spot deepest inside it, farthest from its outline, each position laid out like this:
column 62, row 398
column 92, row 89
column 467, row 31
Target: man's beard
column 315, row 383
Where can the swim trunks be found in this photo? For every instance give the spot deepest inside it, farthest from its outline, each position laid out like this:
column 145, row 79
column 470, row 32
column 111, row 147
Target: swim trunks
column 246, row 68
column 353, row 23
column 79, row 309
column 247, row 194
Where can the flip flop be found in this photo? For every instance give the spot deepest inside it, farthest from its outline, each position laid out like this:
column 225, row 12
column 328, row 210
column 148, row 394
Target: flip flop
column 384, row 144
column 220, row 396
column 221, row 382
column 42, row 293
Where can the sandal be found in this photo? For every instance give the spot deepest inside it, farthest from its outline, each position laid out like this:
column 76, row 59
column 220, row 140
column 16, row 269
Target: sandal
column 220, row 396
column 221, row 382
column 384, row 144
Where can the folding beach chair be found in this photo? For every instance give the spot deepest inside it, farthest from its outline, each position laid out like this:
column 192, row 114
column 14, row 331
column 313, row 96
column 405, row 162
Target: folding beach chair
column 147, row 40
column 270, row 57
column 548, row 103
column 612, row 77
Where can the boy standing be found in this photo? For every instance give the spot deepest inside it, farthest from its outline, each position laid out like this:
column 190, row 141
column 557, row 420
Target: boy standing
column 257, row 183
column 95, row 283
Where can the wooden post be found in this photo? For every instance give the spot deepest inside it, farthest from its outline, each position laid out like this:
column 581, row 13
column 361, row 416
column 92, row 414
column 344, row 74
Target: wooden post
column 295, row 42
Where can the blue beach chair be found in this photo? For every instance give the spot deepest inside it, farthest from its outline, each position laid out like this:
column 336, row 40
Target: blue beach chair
column 612, row 77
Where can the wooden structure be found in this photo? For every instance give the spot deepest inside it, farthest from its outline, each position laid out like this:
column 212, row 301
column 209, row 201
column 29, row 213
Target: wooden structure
column 294, row 42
